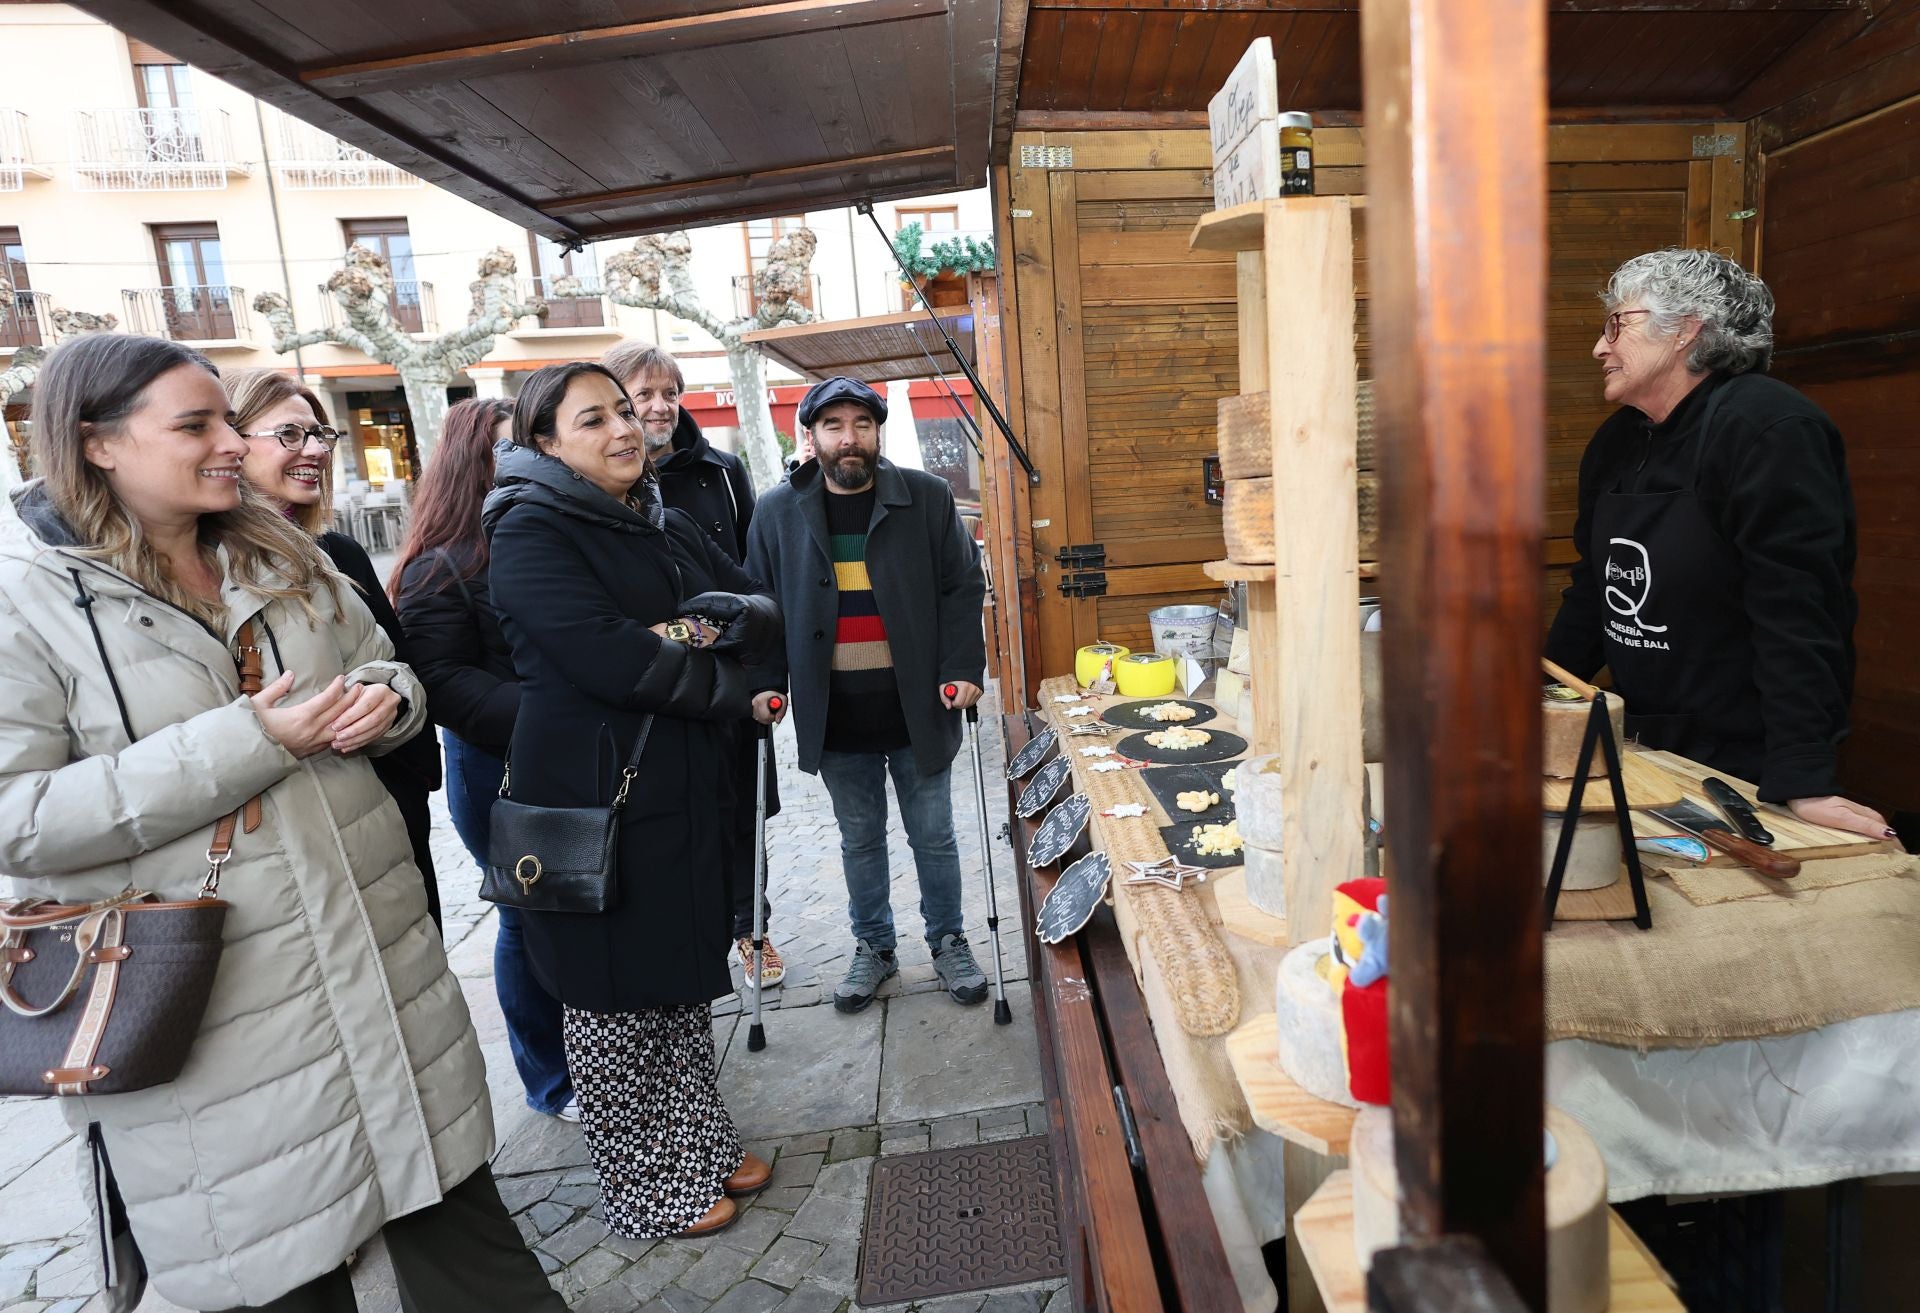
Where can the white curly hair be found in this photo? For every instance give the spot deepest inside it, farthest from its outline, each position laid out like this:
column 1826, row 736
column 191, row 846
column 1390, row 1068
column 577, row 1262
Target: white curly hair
column 1733, row 307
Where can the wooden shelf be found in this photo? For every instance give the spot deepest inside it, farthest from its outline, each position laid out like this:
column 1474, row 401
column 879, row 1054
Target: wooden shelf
column 1241, row 228
column 1324, row 1227
column 1238, row 914
column 1277, row 1103
column 1234, row 572
column 1244, row 227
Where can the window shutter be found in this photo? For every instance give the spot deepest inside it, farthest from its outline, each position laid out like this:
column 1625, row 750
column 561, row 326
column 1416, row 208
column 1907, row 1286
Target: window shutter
column 145, row 54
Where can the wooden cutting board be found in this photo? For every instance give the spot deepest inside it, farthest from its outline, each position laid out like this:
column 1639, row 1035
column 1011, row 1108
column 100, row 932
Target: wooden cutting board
column 1648, row 785
column 1792, row 836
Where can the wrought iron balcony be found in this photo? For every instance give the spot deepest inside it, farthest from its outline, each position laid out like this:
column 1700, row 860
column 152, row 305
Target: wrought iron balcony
column 411, row 302
column 16, row 152
column 746, row 303
column 153, row 150
column 305, row 158
column 572, row 301
column 190, row 314
column 25, row 320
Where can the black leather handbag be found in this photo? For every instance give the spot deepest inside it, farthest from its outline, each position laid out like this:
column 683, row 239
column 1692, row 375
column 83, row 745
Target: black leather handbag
column 557, row 859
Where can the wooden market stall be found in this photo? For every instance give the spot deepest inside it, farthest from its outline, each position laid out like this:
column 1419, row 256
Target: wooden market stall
column 1688, row 122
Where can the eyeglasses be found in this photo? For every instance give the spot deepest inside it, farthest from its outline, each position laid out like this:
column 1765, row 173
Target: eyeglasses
column 1615, row 322
column 293, row 436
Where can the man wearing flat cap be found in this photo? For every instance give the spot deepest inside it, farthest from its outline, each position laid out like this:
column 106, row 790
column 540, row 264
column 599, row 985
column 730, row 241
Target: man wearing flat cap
column 881, row 588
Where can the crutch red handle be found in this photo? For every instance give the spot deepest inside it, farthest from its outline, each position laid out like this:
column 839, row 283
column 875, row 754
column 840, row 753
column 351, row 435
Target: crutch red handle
column 953, row 691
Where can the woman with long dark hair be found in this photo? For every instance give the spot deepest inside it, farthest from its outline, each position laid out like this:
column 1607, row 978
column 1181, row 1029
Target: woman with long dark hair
column 624, row 618
column 290, row 462
column 334, row 1088
column 439, row 584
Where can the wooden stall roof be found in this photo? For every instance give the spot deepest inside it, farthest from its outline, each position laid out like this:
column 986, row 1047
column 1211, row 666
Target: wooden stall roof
column 876, row 349
column 1071, row 61
column 581, row 119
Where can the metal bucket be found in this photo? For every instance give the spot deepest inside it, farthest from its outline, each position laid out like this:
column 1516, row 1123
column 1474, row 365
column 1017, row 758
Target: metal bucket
column 1183, row 631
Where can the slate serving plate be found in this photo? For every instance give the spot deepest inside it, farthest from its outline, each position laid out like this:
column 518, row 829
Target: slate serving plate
column 1133, row 715
column 1177, row 839
column 1222, row 747
column 1167, row 782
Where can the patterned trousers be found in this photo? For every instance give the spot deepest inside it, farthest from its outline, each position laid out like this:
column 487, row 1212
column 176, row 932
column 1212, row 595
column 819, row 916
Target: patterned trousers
column 659, row 1136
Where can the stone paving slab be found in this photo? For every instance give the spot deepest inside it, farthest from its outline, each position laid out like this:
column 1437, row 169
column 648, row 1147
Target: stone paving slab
column 936, row 1066
column 820, row 1070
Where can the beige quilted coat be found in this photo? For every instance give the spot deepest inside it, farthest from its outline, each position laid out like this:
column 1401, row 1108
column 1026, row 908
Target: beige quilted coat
column 336, row 1081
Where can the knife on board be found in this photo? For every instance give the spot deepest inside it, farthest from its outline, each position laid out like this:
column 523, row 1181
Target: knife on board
column 1738, row 811
column 1698, row 821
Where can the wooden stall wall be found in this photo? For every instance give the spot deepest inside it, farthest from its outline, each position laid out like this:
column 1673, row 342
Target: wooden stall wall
column 1836, row 163
column 1119, row 342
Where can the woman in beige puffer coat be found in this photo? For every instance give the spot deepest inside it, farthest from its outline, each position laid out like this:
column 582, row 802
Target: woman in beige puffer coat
column 335, row 1084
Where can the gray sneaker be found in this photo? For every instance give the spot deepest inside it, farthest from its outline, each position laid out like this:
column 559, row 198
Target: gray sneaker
column 870, row 966
column 953, row 963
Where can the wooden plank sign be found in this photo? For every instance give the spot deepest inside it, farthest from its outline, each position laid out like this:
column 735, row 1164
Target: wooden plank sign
column 1251, row 171
column 1243, row 122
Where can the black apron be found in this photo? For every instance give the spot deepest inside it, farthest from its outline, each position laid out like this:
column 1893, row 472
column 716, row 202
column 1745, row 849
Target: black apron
column 1677, row 635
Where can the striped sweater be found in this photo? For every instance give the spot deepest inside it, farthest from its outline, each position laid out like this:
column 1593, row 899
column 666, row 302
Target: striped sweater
column 863, row 702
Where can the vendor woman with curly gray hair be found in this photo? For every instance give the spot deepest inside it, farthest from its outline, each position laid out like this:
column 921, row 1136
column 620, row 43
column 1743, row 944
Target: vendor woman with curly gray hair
column 1716, row 540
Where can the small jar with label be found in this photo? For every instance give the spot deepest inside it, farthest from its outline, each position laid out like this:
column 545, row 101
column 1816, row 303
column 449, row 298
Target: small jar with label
column 1296, row 155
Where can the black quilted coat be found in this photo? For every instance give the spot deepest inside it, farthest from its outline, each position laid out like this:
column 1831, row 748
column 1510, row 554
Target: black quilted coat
column 577, row 579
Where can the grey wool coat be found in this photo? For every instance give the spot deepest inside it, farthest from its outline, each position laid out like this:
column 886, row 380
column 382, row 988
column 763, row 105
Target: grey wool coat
column 335, row 1082
column 925, row 570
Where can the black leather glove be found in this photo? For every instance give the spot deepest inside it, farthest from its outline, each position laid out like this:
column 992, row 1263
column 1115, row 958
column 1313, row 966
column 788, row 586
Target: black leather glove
column 747, row 627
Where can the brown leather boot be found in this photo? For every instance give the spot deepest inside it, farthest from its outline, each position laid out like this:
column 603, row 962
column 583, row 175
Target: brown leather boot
column 750, row 1178
column 722, row 1215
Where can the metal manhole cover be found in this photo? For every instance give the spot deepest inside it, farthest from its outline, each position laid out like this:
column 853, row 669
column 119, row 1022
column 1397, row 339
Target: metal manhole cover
column 960, row 1220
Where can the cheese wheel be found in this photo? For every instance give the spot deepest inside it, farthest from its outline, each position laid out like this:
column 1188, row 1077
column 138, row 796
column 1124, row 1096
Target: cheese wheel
column 1578, row 1275
column 1258, row 804
column 1309, row 1020
column 1376, row 1184
column 1595, row 859
column 1266, row 878
column 1564, row 724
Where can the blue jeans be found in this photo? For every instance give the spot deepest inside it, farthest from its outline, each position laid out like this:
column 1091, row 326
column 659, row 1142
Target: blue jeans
column 856, row 781
column 533, row 1015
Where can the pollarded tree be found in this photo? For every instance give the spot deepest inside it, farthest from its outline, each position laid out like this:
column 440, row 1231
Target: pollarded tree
column 24, row 367
column 654, row 275
column 364, row 290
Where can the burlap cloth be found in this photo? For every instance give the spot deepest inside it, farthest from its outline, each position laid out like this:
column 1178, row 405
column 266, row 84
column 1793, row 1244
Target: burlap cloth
column 1741, row 968
column 1706, row 885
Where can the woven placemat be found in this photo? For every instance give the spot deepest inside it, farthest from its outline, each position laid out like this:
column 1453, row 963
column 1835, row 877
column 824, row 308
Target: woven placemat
column 1198, row 971
column 1706, row 885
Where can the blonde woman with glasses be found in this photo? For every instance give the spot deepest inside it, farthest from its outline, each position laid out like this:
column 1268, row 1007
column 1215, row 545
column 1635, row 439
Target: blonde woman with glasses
column 289, row 461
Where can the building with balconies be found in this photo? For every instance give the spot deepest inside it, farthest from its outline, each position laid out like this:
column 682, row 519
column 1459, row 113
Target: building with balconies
column 144, row 188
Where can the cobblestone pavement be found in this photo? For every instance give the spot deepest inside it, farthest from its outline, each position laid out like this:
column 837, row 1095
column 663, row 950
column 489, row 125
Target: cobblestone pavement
column 826, row 1097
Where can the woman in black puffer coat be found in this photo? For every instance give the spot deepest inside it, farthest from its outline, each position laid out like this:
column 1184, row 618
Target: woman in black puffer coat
column 588, row 571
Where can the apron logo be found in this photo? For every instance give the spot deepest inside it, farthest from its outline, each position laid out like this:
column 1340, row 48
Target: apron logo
column 1629, row 581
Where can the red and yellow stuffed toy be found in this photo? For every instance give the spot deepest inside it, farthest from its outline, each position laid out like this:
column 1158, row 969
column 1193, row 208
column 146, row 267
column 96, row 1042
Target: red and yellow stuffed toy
column 1358, row 975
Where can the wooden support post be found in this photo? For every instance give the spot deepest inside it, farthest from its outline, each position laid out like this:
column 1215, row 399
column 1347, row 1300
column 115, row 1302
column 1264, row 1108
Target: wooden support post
column 1313, row 674
column 1456, row 177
